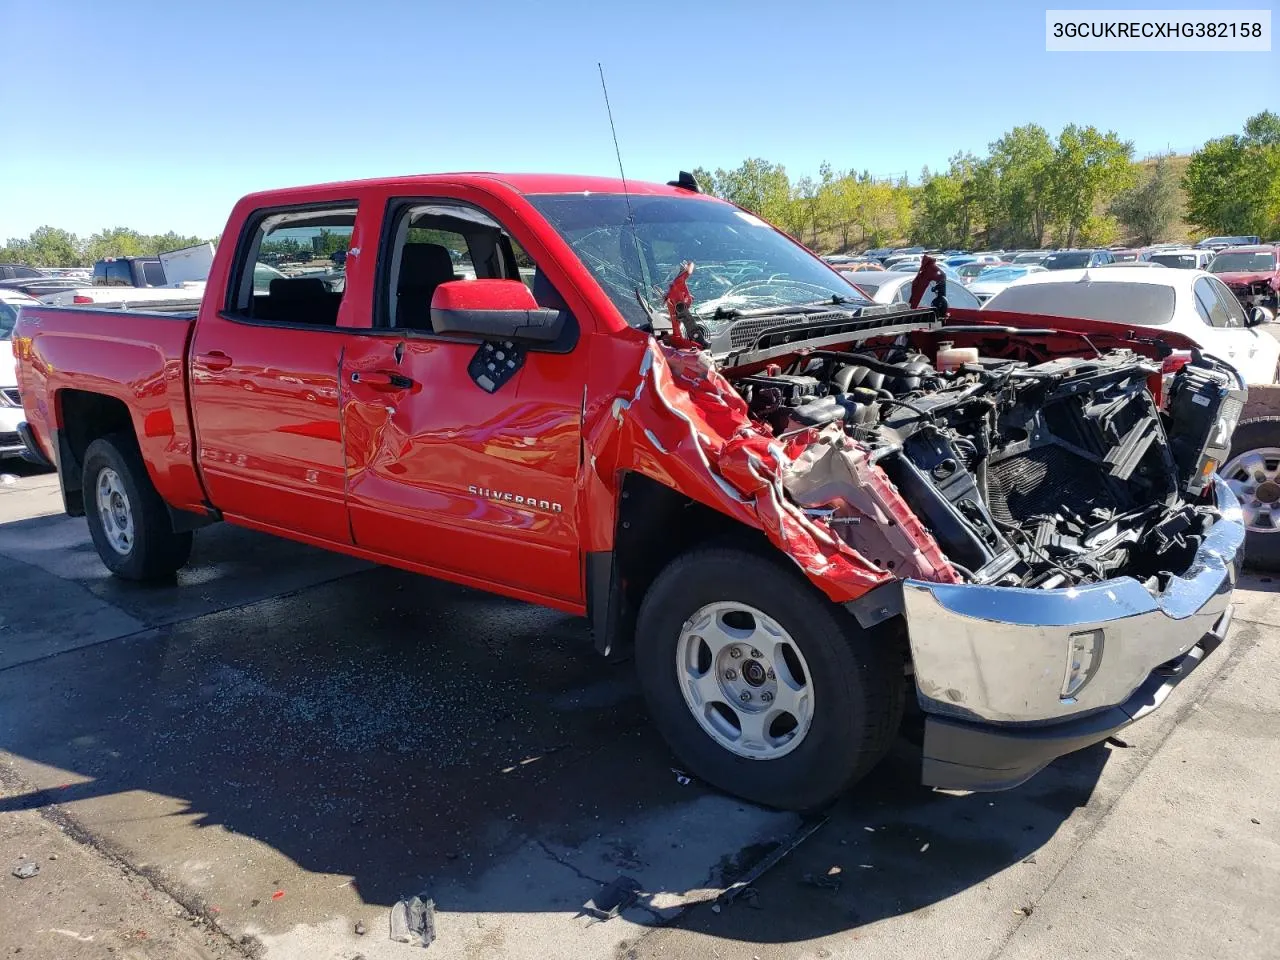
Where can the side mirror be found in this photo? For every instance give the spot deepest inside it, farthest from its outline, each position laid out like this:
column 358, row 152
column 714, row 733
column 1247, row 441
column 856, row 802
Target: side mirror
column 1256, row 316
column 493, row 310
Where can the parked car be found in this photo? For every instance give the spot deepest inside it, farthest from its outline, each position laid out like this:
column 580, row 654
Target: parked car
column 1182, row 258
column 1198, row 306
column 11, row 413
column 878, row 253
column 1125, row 254
column 1221, row 243
column 968, row 272
column 895, row 287
column 1076, row 259
column 994, row 279
column 1191, row 302
column 903, row 261
column 1140, row 264
column 18, row 271
column 1030, row 256
column 712, row 447
column 1252, row 273
column 40, row 286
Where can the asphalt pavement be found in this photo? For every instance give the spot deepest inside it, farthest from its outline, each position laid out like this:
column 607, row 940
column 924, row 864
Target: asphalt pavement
column 261, row 757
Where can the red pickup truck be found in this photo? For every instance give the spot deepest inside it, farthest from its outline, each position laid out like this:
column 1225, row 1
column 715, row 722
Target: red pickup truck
column 794, row 508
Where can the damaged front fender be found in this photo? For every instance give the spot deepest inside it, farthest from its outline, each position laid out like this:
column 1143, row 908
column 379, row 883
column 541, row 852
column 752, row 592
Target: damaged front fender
column 671, row 416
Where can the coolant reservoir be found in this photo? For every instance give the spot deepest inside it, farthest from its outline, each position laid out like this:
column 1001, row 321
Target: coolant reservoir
column 950, row 358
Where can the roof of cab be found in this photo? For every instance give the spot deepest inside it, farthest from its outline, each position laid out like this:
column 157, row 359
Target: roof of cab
column 525, row 183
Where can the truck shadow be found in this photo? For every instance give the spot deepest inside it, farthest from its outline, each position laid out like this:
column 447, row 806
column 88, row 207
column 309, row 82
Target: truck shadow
column 417, row 736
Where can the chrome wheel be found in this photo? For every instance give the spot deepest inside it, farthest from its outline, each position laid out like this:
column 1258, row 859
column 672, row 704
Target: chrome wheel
column 745, row 680
column 114, row 511
column 1254, row 477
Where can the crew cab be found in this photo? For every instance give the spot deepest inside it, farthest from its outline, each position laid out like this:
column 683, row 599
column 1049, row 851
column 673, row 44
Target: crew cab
column 129, row 272
column 792, row 507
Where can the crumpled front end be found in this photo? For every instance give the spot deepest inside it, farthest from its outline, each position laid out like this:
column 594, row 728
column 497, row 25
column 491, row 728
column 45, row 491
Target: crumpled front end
column 679, row 421
column 949, row 467
column 1009, row 680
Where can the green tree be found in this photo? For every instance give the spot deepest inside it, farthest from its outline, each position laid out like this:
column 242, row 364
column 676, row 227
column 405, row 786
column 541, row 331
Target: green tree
column 115, row 242
column 1150, row 209
column 1088, row 168
column 1233, row 182
column 842, row 202
column 15, row 250
column 164, row 242
column 1263, row 129
column 706, row 180
column 759, row 186
column 1022, row 169
column 948, row 204
column 52, row 247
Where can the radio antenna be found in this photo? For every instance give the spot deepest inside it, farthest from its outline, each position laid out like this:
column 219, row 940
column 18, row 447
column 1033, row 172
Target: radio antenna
column 616, row 149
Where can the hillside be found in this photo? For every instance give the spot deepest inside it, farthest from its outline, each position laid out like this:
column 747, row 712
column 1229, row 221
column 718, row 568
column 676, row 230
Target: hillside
column 1182, row 231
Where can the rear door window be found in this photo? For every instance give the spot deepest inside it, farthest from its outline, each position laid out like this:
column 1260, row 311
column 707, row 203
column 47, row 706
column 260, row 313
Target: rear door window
column 286, row 271
column 153, row 273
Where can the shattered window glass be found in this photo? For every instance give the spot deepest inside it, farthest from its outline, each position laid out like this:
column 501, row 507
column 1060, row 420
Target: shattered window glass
column 635, row 247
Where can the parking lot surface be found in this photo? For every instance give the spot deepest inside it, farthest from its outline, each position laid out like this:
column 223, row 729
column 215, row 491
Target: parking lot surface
column 260, row 758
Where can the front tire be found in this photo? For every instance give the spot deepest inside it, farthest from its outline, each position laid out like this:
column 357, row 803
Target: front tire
column 760, row 685
column 1253, row 473
column 127, row 518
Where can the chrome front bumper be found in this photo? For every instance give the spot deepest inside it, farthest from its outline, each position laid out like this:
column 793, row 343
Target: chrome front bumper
column 991, row 662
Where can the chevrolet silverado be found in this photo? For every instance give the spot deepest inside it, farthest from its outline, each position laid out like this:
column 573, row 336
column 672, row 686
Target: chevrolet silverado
column 792, row 507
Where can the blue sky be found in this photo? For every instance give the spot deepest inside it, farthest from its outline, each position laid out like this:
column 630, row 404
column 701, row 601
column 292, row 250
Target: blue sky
column 173, row 110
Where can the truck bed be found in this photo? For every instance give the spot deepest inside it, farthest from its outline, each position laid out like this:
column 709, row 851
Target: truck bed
column 134, row 370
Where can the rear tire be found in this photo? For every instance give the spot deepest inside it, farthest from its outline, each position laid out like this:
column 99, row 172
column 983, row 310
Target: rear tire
column 128, row 521
column 1253, row 472
column 853, row 681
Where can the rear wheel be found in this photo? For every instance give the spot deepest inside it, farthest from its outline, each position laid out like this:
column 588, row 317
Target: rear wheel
column 760, row 684
column 128, row 521
column 1253, row 474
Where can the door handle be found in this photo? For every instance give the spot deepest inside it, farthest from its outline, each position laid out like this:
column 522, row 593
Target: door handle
column 381, row 380
column 214, row 360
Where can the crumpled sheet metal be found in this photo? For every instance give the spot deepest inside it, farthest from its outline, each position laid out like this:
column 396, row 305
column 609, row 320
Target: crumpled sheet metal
column 835, row 471
column 676, row 419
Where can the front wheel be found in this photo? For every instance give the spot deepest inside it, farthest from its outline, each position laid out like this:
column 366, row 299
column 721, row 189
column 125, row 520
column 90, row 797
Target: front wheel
column 760, row 685
column 127, row 518
column 1253, row 474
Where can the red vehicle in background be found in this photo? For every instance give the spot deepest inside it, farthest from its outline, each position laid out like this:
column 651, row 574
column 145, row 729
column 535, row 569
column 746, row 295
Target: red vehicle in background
column 794, row 508
column 1253, row 274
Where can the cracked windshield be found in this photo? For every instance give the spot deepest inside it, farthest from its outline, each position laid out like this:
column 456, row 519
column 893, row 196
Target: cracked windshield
column 741, row 264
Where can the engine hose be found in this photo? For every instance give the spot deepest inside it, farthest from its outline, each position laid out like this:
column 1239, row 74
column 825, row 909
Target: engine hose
column 893, row 401
column 864, row 360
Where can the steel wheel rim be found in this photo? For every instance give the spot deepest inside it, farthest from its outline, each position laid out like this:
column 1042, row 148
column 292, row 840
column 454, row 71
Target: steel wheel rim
column 745, row 680
column 1254, row 477
column 114, row 511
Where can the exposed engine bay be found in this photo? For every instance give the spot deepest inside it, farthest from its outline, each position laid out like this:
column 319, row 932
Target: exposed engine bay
column 1026, row 474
